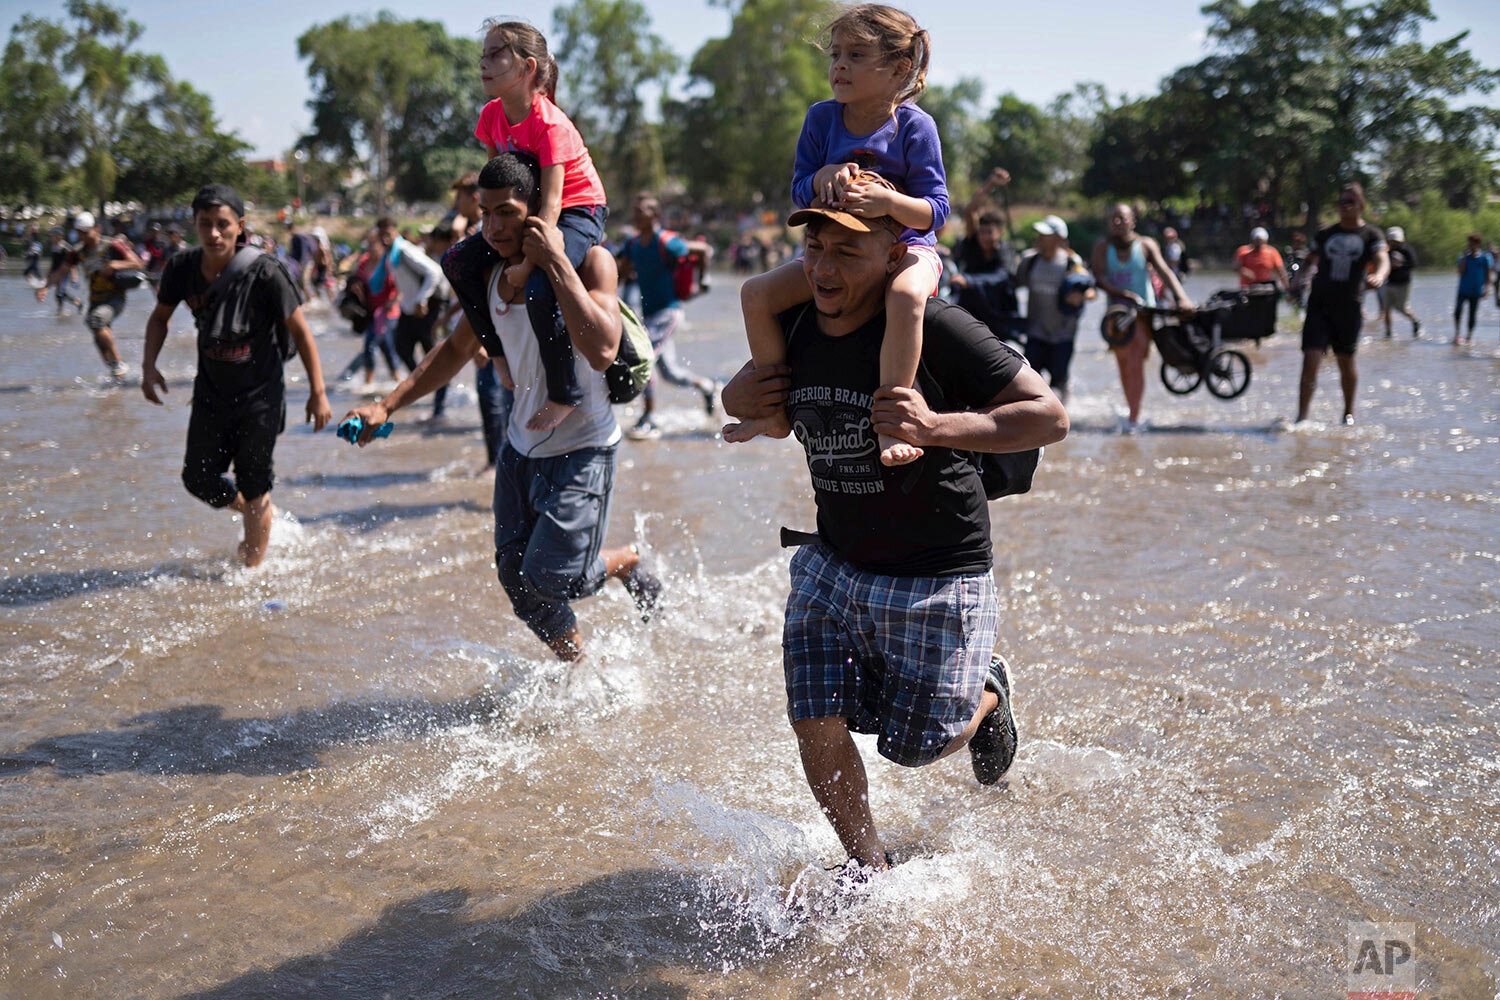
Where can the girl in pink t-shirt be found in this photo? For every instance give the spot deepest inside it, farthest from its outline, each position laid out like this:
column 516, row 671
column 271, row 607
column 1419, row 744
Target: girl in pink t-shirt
column 521, row 75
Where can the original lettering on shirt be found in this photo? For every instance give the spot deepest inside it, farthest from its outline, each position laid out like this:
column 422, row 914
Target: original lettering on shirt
column 833, row 424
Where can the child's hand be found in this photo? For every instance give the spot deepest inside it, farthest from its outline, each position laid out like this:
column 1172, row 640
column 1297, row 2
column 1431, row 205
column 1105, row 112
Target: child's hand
column 830, row 182
column 516, row 274
column 867, row 199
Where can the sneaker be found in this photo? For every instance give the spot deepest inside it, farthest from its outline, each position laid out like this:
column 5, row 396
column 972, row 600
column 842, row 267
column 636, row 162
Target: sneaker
column 1348, row 420
column 993, row 747
column 711, row 398
column 1416, row 328
column 645, row 429
column 119, row 370
column 645, row 590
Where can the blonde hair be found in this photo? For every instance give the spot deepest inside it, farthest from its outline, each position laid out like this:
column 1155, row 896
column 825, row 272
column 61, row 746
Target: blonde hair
column 527, row 43
column 895, row 33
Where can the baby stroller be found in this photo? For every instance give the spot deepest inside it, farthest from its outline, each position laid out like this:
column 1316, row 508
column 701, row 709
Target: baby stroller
column 1191, row 352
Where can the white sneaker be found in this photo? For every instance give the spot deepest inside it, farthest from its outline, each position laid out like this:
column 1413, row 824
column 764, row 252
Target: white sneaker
column 119, row 370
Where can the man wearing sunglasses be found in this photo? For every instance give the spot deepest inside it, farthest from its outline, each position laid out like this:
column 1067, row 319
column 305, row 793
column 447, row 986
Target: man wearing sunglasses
column 1343, row 254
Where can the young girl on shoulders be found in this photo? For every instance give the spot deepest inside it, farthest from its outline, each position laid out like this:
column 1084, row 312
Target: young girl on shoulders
column 877, row 66
column 520, row 75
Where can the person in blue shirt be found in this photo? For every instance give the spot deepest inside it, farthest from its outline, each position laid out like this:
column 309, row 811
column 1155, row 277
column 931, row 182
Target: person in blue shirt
column 650, row 258
column 1475, row 268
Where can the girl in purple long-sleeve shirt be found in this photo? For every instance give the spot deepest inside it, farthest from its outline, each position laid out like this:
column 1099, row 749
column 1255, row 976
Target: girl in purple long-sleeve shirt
column 878, row 60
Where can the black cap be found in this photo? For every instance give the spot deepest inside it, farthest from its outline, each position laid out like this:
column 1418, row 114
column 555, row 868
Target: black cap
column 219, row 194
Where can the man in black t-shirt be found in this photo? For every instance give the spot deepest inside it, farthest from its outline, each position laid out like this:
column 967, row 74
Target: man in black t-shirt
column 241, row 299
column 893, row 616
column 1343, row 254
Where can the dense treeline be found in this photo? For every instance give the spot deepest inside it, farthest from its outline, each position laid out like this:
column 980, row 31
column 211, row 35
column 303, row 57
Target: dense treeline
column 1294, row 96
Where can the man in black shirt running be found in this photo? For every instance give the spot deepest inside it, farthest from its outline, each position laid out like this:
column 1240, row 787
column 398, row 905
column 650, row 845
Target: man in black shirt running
column 893, row 616
column 1342, row 254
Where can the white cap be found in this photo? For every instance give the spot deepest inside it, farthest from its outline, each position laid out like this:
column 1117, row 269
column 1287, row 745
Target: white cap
column 84, row 220
column 1396, row 233
column 1259, row 233
column 1051, row 226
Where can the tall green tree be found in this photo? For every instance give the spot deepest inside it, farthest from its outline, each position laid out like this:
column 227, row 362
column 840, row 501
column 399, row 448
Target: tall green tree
column 1299, row 95
column 389, row 89
column 608, row 58
column 734, row 137
column 86, row 112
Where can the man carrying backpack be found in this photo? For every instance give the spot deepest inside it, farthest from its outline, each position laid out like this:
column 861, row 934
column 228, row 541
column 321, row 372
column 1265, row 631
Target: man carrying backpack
column 552, row 487
column 893, row 616
column 654, row 256
column 248, row 311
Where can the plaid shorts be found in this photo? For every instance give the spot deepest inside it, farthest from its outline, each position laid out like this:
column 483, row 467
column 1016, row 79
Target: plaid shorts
column 904, row 657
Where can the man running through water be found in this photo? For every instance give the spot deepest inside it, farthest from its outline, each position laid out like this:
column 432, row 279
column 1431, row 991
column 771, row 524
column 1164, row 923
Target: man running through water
column 651, row 256
column 240, row 305
column 893, row 615
column 552, row 487
column 101, row 263
column 1342, row 254
column 1122, row 264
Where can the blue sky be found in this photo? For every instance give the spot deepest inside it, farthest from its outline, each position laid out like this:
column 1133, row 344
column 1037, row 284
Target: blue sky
column 248, row 63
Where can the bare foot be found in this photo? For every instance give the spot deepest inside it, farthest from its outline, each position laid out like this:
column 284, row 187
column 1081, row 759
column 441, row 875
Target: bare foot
column 257, row 514
column 549, row 416
column 894, row 451
column 776, row 427
column 568, row 648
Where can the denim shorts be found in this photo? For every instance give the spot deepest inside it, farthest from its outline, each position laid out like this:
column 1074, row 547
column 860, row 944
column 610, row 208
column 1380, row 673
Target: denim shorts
column 904, row 657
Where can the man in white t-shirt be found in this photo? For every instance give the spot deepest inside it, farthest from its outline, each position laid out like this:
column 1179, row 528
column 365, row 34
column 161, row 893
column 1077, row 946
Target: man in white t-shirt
column 552, row 487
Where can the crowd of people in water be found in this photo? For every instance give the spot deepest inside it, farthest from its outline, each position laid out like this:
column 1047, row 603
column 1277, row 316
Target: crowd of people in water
column 904, row 367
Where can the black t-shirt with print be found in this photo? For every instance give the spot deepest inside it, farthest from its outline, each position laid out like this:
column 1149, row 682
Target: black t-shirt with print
column 1402, row 262
column 235, row 371
column 1343, row 255
column 928, row 518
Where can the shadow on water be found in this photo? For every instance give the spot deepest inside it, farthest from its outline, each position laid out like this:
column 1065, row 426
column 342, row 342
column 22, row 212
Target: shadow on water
column 377, row 515
column 1112, row 429
column 357, row 480
column 39, row 588
column 197, row 739
column 613, row 936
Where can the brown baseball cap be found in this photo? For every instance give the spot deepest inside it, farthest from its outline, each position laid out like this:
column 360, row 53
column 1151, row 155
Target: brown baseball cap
column 858, row 223
column 467, row 182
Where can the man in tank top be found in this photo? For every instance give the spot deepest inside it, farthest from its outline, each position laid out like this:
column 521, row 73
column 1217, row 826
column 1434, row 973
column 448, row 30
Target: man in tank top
column 1122, row 263
column 552, row 487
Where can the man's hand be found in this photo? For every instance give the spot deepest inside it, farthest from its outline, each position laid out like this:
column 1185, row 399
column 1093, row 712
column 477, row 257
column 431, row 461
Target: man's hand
column 318, row 410
column 373, row 415
column 1373, row 282
column 901, row 412
column 420, row 310
column 543, row 242
column 958, row 281
column 998, row 178
column 755, row 393
column 150, row 379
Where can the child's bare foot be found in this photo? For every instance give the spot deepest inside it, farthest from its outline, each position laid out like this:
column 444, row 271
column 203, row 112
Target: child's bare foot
column 257, row 514
column 549, row 416
column 894, row 451
column 776, row 427
column 502, row 372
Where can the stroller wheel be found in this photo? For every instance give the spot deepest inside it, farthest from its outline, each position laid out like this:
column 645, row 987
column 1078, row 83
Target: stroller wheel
column 1179, row 381
column 1228, row 374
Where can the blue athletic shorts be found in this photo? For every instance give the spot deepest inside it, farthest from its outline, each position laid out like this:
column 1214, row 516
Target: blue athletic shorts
column 904, row 657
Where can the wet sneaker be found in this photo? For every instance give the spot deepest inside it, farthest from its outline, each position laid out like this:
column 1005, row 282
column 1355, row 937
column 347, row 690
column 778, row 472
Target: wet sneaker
column 119, row 370
column 711, row 398
column 1416, row 328
column 645, row 429
column 1348, row 420
column 993, row 747
column 645, row 590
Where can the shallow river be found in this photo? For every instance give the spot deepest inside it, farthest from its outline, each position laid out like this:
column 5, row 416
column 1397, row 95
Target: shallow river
column 1256, row 674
